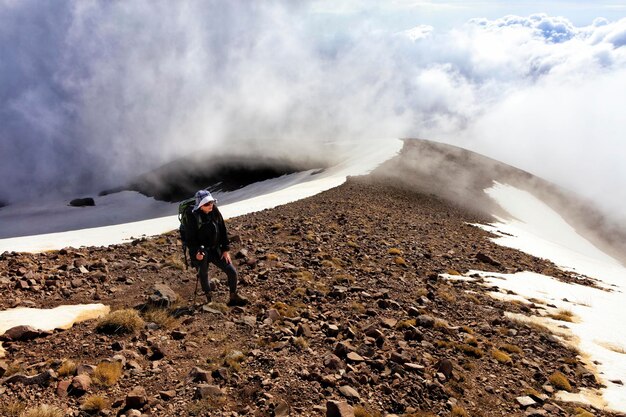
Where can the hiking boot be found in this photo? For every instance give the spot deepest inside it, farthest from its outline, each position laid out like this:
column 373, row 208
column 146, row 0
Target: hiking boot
column 237, row 300
column 208, row 297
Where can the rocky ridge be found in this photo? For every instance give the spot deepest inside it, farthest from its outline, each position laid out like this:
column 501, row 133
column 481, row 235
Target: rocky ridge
column 349, row 316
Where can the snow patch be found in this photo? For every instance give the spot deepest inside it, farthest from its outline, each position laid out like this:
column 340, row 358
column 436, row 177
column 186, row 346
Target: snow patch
column 62, row 317
column 599, row 330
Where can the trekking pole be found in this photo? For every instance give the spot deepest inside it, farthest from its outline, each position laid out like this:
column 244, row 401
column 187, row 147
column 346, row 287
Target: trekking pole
column 195, row 291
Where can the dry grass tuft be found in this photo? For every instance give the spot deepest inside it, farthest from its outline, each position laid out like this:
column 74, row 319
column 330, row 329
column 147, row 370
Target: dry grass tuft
column 94, row 404
column 473, row 299
column 43, row 411
column 120, row 321
column 560, row 381
column 221, row 307
column 581, row 412
column 15, row 367
column 360, row 411
column 472, row 341
column 344, row 279
column 443, row 344
column 175, row 261
column 613, row 347
column 537, row 327
column 233, row 359
column 306, row 276
column 301, row 343
column 441, row 324
column 270, row 257
column 501, row 356
column 12, row 408
column 405, row 324
column 470, row 350
column 206, row 406
column 511, row 348
column 453, row 272
column 446, row 295
column 107, row 374
column 67, row 368
column 160, row 241
column 394, row 251
column 299, row 292
column 399, row 260
column 563, row 315
column 357, row 307
column 531, row 391
column 458, row 412
column 466, row 329
column 285, row 310
column 160, row 317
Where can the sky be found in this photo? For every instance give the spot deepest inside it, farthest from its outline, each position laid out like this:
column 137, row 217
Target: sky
column 93, row 93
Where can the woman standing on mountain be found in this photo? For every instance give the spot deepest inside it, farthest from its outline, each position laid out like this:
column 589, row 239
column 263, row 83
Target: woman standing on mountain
column 207, row 240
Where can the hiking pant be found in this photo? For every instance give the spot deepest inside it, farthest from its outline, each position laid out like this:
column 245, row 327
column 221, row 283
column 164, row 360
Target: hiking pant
column 215, row 259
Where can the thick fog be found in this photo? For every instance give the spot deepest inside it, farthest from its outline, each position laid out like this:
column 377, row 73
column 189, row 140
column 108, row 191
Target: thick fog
column 93, row 93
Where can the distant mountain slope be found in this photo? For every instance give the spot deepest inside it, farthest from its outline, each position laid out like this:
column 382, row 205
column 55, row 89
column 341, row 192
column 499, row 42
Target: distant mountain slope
column 461, row 176
column 180, row 179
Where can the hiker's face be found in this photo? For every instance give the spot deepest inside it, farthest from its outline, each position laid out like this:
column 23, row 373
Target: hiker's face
column 206, row 208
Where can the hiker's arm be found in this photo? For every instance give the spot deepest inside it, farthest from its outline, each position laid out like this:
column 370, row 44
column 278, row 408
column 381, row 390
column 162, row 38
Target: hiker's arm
column 224, row 242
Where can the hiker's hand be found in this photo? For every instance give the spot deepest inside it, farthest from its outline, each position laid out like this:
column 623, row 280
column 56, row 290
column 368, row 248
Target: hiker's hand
column 199, row 255
column 226, row 257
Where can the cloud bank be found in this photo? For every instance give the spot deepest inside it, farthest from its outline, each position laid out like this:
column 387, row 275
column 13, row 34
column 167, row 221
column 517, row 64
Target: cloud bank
column 92, row 93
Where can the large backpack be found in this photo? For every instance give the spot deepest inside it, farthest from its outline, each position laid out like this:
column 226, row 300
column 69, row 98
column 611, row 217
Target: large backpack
column 184, row 211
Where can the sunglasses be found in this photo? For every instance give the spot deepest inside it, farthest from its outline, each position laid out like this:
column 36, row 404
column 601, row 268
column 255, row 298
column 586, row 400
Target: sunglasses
column 210, row 203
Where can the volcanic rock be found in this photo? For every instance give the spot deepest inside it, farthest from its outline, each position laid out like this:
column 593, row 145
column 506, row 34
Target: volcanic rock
column 339, row 409
column 22, row 333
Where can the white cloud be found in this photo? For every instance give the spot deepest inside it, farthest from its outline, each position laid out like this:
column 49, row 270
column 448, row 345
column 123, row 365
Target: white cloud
column 95, row 92
column 417, row 32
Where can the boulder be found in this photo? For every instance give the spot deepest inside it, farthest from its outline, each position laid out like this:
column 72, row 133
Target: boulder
column 355, row 357
column 204, row 391
column 42, row 379
column 425, row 321
column 162, row 296
column 21, row 333
column 349, row 392
column 486, row 259
column 399, row 357
column 198, row 374
column 281, row 409
column 445, row 367
column 339, row 409
column 158, row 352
column 136, row 398
column 83, row 202
column 525, row 401
column 80, row 385
column 62, row 387
column 413, row 334
column 167, row 395
column 178, row 334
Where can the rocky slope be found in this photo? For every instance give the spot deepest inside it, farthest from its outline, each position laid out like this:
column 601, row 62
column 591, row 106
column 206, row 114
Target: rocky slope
column 349, row 316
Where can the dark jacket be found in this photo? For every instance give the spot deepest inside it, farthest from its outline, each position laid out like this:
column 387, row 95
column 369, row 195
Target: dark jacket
column 211, row 232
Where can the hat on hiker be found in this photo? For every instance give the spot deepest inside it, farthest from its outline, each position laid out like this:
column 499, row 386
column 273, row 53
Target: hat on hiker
column 202, row 197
